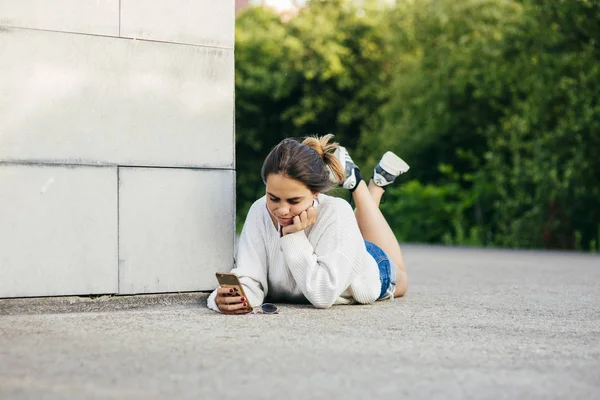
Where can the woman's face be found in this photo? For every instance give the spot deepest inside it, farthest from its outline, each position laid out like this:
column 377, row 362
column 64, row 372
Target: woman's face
column 287, row 198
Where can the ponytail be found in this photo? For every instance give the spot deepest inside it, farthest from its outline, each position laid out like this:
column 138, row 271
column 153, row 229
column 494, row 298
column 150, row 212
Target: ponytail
column 311, row 162
column 325, row 150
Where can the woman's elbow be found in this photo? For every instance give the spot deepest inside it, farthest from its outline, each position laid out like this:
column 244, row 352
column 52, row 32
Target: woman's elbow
column 322, row 303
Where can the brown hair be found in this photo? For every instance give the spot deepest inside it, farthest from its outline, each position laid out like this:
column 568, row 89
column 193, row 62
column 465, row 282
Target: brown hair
column 311, row 162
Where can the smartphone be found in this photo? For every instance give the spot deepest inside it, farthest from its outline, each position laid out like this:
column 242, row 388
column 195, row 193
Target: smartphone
column 229, row 280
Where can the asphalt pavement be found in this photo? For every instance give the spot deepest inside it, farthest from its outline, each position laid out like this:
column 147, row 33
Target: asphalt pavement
column 475, row 324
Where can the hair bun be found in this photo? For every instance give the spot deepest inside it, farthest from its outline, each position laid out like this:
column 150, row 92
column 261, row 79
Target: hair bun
column 325, row 150
column 321, row 144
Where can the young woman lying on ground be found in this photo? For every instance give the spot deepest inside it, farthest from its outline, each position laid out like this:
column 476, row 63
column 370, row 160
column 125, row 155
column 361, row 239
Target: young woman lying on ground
column 299, row 244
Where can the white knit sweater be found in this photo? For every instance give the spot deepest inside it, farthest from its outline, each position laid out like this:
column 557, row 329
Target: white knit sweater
column 326, row 264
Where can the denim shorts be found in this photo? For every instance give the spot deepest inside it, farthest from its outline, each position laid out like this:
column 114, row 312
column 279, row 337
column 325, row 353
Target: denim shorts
column 387, row 270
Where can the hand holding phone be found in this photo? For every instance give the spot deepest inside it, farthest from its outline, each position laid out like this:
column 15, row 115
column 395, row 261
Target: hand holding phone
column 231, row 298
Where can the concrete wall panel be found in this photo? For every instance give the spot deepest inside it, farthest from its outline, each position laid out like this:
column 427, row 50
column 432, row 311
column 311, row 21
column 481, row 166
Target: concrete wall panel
column 99, row 17
column 200, row 22
column 79, row 99
column 58, row 230
column 176, row 228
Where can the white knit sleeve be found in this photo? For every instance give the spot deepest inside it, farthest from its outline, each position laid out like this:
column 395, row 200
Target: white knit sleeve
column 211, row 302
column 324, row 271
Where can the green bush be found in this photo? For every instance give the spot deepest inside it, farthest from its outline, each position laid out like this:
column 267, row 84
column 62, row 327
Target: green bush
column 505, row 92
column 495, row 104
column 322, row 72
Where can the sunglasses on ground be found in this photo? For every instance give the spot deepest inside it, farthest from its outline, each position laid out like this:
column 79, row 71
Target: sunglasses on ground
column 266, row 308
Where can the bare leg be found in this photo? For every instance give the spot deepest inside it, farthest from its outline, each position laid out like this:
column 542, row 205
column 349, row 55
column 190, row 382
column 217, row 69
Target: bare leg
column 376, row 192
column 375, row 229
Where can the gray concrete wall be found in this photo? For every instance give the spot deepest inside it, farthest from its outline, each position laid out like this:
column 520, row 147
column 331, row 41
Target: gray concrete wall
column 116, row 145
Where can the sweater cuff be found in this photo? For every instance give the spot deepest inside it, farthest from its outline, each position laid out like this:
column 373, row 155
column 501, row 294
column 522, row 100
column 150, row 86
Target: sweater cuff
column 211, row 302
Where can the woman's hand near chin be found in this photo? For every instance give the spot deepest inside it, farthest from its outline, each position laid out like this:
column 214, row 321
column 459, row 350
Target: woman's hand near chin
column 301, row 222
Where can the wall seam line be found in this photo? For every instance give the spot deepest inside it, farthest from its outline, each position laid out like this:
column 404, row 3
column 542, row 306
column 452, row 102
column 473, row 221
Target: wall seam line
column 118, row 230
column 90, row 165
column 208, row 46
column 119, row 18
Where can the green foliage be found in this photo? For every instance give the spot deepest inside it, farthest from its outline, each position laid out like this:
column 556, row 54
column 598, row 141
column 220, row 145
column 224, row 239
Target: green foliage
column 507, row 93
column 447, row 84
column 544, row 152
column 321, row 72
column 495, row 104
column 433, row 213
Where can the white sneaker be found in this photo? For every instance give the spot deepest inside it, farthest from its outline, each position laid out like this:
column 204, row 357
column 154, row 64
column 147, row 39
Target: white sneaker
column 350, row 169
column 389, row 168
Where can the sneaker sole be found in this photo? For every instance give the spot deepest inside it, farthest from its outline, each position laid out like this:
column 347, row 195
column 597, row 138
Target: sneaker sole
column 340, row 153
column 393, row 164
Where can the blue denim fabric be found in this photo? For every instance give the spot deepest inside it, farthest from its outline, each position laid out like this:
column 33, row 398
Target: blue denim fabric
column 387, row 269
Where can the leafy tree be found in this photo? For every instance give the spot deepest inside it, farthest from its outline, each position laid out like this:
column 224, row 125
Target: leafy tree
column 453, row 61
column 544, row 153
column 506, row 94
column 320, row 72
column 494, row 103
